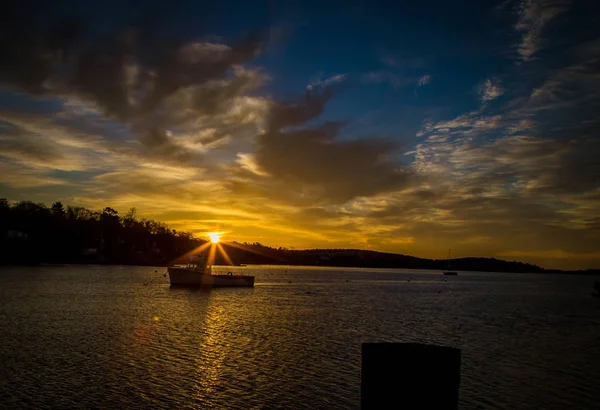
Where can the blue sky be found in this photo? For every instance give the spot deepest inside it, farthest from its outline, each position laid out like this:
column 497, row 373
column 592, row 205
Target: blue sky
column 406, row 128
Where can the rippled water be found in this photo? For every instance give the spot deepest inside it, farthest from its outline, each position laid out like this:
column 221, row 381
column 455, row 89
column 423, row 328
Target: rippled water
column 97, row 336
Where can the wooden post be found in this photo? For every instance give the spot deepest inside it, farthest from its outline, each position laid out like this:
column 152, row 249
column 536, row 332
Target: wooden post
column 409, row 376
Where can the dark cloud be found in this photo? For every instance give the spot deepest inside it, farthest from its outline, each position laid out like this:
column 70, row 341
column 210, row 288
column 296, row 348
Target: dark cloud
column 19, row 144
column 130, row 73
column 158, row 143
column 580, row 168
column 299, row 112
column 314, row 158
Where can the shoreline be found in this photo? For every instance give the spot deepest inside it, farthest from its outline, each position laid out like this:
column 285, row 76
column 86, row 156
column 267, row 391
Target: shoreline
column 589, row 272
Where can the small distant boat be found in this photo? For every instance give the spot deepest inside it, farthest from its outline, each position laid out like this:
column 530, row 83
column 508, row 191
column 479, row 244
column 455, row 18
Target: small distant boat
column 449, row 271
column 199, row 273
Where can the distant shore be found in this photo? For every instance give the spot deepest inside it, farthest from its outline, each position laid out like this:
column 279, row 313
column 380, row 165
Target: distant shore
column 587, row 272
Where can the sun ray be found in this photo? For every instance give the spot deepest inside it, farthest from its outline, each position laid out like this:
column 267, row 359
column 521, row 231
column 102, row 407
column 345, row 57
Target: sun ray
column 225, row 256
column 211, row 253
column 195, row 251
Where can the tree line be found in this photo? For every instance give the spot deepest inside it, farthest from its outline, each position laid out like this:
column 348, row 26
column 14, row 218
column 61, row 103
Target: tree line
column 31, row 233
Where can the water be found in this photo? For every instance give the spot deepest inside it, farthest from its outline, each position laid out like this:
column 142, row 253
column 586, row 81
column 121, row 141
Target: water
column 97, row 337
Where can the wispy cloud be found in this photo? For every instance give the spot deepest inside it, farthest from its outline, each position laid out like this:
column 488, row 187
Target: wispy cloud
column 490, row 90
column 17, row 176
column 534, row 16
column 426, row 79
column 328, row 81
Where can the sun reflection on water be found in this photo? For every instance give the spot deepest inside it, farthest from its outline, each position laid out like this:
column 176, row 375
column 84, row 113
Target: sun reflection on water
column 209, row 366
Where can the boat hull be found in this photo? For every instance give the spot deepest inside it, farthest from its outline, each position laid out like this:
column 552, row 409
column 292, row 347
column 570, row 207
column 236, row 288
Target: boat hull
column 192, row 277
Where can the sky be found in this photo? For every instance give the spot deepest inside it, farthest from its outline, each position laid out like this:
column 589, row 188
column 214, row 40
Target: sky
column 406, row 128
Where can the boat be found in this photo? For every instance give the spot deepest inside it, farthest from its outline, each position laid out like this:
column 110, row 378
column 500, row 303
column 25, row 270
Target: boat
column 198, row 273
column 449, row 271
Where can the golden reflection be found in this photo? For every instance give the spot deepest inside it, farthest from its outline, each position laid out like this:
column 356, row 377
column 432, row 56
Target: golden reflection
column 210, row 367
column 212, row 354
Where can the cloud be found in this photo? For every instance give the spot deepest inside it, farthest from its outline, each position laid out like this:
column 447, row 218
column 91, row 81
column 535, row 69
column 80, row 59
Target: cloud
column 490, row 90
column 328, row 81
column 132, row 75
column 522, row 173
column 424, row 80
column 314, row 159
column 15, row 175
column 248, row 162
column 34, row 145
column 518, row 164
column 495, row 175
column 465, row 126
column 16, row 143
column 577, row 84
column 534, row 16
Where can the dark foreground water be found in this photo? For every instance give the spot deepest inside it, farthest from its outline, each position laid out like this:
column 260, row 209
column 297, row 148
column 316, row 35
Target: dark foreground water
column 97, row 337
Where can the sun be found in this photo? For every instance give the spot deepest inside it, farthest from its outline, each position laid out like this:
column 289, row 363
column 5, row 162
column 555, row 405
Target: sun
column 215, row 237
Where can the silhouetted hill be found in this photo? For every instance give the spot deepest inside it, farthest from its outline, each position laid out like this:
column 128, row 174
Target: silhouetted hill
column 369, row 259
column 256, row 253
column 32, row 233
